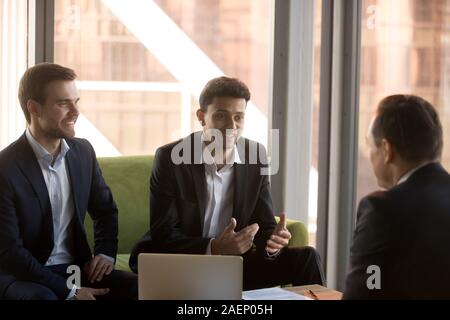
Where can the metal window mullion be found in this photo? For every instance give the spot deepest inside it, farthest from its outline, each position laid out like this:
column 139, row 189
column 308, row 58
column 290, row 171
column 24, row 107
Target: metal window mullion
column 41, row 20
column 338, row 135
column 278, row 96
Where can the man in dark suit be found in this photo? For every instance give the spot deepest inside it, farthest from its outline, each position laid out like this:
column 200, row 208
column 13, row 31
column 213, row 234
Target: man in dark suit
column 48, row 180
column 210, row 195
column 400, row 243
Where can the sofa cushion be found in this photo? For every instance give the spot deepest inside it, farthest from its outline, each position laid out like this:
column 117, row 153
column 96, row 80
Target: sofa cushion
column 128, row 177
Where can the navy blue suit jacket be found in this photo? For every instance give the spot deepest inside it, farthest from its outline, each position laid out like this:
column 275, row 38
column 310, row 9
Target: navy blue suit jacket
column 26, row 227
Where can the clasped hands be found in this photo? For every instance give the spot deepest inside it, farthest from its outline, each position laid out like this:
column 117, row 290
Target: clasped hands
column 236, row 243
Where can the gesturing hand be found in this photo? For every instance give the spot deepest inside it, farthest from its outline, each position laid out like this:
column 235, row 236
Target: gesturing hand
column 280, row 236
column 234, row 243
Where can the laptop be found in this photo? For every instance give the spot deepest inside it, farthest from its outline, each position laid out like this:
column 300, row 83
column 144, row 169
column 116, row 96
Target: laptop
column 189, row 277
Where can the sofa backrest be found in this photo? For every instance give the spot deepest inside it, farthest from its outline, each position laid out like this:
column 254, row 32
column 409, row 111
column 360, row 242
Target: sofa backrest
column 128, row 177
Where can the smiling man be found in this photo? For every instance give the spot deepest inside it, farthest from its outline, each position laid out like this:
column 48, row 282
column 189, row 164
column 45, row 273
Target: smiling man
column 217, row 201
column 48, row 180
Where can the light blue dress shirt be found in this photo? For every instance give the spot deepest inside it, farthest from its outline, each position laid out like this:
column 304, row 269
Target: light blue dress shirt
column 60, row 195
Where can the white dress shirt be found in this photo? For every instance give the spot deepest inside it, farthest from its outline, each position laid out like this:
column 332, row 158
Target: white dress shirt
column 60, row 195
column 219, row 194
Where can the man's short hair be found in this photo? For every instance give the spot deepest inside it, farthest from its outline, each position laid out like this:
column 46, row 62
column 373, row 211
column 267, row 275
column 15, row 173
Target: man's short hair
column 223, row 87
column 411, row 124
column 35, row 79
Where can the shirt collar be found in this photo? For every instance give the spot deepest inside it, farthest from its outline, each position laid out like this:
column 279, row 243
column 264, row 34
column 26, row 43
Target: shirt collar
column 208, row 159
column 42, row 153
column 408, row 174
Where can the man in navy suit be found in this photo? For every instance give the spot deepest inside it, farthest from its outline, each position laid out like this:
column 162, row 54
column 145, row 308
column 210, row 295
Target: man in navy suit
column 400, row 244
column 48, row 180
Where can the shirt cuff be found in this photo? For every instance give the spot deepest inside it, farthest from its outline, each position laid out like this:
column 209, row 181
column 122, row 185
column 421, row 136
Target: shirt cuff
column 111, row 259
column 71, row 295
column 208, row 248
column 273, row 255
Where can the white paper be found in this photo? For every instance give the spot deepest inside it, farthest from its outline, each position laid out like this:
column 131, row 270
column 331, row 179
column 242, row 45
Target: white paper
column 272, row 294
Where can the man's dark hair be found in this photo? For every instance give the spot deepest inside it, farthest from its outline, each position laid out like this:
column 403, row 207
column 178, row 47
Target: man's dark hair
column 223, row 87
column 411, row 124
column 35, row 79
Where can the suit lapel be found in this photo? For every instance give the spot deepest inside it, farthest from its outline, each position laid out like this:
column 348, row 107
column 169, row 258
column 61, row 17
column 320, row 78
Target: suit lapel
column 29, row 166
column 198, row 174
column 74, row 166
column 240, row 184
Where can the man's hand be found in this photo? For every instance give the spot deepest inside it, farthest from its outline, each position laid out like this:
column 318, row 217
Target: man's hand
column 97, row 268
column 234, row 243
column 280, row 236
column 90, row 293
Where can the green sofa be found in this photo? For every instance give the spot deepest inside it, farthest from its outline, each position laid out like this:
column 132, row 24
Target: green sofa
column 128, row 178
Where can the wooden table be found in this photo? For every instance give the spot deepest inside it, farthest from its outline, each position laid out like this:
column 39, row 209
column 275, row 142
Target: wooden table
column 321, row 292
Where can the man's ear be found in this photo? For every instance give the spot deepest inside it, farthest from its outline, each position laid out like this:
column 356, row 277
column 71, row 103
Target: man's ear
column 201, row 117
column 388, row 151
column 34, row 108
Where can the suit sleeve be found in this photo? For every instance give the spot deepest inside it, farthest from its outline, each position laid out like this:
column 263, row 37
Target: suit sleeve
column 370, row 247
column 263, row 213
column 166, row 233
column 103, row 211
column 14, row 258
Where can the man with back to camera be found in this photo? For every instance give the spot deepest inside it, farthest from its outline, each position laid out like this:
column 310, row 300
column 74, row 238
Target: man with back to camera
column 399, row 248
column 218, row 202
column 48, row 180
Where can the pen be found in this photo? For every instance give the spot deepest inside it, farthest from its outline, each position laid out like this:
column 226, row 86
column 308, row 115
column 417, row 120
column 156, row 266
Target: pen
column 313, row 295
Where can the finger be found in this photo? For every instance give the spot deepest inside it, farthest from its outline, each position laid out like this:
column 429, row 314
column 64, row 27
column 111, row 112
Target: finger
column 242, row 238
column 92, row 265
column 251, row 229
column 99, row 292
column 245, row 246
column 247, row 234
column 274, row 245
column 283, row 234
column 282, row 222
column 271, row 250
column 90, row 296
column 231, row 226
column 102, row 272
column 109, row 270
column 279, row 240
column 98, row 270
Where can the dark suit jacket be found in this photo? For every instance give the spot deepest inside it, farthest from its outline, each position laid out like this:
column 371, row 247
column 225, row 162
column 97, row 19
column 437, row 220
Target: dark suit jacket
column 178, row 199
column 26, row 228
column 406, row 232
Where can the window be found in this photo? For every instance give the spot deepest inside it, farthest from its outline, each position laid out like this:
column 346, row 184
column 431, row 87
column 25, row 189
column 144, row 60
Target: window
column 13, row 62
column 409, row 57
column 142, row 67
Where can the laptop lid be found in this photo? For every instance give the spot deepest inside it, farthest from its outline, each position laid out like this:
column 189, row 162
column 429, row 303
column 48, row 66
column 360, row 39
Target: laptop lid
column 189, row 277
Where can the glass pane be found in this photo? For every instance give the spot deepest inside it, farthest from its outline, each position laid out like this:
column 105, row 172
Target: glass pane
column 405, row 49
column 13, row 62
column 314, row 175
column 141, row 67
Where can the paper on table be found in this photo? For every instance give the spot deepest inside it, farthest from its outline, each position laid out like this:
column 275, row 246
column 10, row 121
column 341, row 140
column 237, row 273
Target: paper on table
column 272, row 294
